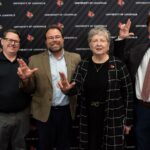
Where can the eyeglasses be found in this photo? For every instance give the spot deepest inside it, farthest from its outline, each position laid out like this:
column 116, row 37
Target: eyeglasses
column 57, row 37
column 11, row 41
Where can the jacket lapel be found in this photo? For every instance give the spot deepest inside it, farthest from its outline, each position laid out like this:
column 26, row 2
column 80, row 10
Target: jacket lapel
column 46, row 66
column 68, row 64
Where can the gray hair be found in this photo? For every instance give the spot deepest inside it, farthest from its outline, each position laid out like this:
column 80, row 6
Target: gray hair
column 100, row 30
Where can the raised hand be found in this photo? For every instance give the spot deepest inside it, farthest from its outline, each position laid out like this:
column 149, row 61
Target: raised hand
column 64, row 84
column 24, row 72
column 124, row 31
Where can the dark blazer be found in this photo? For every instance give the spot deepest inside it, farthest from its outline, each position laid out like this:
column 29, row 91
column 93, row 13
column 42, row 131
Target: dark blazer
column 118, row 103
column 133, row 57
column 41, row 83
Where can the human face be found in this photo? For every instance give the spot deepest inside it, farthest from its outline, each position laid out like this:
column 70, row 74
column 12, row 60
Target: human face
column 99, row 44
column 11, row 43
column 54, row 40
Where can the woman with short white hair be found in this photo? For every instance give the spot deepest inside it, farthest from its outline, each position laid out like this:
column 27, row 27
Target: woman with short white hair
column 104, row 86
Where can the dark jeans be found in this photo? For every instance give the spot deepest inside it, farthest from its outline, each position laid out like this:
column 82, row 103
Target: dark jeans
column 142, row 127
column 13, row 129
column 56, row 132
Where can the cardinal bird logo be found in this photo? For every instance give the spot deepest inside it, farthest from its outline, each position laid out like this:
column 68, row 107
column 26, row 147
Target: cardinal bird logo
column 30, row 38
column 29, row 14
column 60, row 3
column 121, row 2
column 91, row 14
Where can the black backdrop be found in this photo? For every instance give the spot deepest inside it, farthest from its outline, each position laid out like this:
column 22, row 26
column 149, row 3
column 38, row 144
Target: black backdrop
column 76, row 17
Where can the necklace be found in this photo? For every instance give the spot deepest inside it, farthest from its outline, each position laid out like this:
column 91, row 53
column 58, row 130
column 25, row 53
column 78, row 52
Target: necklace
column 98, row 67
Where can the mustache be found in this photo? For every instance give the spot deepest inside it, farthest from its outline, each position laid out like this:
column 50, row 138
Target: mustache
column 55, row 42
column 52, row 50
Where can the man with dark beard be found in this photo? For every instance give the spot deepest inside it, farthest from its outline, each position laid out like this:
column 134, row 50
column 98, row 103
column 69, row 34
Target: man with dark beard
column 50, row 107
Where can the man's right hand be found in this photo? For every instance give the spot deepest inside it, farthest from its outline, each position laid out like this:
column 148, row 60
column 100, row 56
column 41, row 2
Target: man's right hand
column 124, row 31
column 64, row 84
column 24, row 72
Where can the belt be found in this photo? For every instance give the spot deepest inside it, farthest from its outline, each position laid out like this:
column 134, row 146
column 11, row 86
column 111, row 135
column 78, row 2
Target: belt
column 96, row 103
column 59, row 107
column 145, row 104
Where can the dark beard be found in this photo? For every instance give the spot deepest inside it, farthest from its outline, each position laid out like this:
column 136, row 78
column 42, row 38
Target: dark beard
column 55, row 51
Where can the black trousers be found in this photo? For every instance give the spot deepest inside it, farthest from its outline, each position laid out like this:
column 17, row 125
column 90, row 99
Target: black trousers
column 96, row 127
column 56, row 132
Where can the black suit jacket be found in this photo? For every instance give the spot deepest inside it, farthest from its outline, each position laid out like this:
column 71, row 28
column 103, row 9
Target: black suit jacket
column 133, row 57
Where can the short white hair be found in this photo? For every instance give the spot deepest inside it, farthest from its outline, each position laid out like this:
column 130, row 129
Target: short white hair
column 99, row 30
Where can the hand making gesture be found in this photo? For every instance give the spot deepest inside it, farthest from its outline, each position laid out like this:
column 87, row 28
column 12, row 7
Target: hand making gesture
column 64, row 84
column 124, row 31
column 24, row 72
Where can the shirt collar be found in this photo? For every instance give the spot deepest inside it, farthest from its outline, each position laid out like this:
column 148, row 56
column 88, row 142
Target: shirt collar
column 51, row 55
column 3, row 57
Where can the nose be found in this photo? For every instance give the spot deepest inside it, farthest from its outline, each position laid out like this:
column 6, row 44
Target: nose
column 99, row 42
column 55, row 38
column 13, row 42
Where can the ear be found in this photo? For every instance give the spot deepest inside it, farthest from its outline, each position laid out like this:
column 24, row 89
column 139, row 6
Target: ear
column 2, row 40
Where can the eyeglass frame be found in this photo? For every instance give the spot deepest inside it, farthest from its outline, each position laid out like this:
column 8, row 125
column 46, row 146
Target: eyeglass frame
column 57, row 37
column 12, row 41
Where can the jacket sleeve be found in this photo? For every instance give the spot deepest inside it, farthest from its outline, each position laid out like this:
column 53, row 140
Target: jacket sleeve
column 77, row 78
column 127, row 94
column 119, row 49
column 29, row 86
